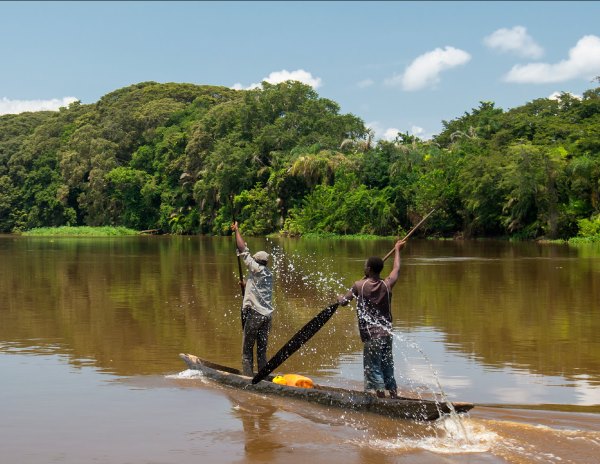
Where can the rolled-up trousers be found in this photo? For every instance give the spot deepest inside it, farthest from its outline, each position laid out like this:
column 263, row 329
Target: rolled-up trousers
column 378, row 364
column 256, row 332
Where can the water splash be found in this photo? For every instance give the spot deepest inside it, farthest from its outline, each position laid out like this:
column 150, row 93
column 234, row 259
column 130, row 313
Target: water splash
column 446, row 439
column 295, row 270
column 192, row 374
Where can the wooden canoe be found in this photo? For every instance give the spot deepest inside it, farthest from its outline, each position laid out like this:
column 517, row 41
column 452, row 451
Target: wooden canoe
column 404, row 408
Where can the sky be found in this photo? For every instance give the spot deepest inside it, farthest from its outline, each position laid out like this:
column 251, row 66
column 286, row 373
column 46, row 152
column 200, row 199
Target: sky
column 400, row 66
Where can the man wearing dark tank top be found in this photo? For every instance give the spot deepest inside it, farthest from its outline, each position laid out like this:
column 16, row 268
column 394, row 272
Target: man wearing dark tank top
column 374, row 296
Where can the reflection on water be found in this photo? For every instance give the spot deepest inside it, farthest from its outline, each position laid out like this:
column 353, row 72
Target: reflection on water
column 465, row 377
column 256, row 421
column 498, row 322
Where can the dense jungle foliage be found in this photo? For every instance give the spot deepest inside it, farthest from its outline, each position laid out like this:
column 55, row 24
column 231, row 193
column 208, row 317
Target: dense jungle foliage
column 183, row 158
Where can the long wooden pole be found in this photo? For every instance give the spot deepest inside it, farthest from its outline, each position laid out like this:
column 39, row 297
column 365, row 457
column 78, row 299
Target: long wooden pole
column 240, row 272
column 239, row 261
column 410, row 232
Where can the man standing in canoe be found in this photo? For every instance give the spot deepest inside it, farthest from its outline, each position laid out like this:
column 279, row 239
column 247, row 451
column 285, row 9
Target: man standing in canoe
column 374, row 297
column 257, row 306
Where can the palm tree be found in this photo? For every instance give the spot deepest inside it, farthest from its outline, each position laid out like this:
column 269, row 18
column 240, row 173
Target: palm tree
column 318, row 168
column 361, row 144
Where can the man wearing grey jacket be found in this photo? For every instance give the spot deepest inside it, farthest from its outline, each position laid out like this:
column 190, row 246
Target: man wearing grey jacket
column 257, row 306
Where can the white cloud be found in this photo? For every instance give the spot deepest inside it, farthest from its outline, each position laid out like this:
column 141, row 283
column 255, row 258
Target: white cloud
column 556, row 95
column 8, row 106
column 391, row 133
column 514, row 40
column 284, row 75
column 425, row 70
column 365, row 83
column 418, row 131
column 583, row 62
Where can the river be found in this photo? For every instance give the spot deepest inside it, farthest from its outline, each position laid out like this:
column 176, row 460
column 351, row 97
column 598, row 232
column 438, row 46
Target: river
column 91, row 329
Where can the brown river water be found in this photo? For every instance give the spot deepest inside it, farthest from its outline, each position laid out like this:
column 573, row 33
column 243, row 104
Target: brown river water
column 91, row 329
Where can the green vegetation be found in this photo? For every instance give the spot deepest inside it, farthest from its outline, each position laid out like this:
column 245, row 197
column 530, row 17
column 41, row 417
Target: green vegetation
column 331, row 236
column 68, row 231
column 181, row 158
column 589, row 231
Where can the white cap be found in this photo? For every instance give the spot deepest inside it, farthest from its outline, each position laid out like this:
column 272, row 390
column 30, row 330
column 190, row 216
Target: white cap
column 261, row 256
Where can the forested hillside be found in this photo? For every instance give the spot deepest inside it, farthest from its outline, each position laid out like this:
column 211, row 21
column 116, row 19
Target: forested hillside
column 180, row 158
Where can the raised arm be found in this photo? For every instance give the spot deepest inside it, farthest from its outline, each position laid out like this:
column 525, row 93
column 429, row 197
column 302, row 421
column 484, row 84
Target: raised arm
column 395, row 272
column 239, row 241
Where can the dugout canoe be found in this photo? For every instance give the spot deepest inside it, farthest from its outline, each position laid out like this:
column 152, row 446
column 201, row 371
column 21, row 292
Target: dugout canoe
column 403, row 408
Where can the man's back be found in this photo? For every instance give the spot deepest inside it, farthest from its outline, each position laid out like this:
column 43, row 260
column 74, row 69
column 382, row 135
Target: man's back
column 373, row 297
column 259, row 286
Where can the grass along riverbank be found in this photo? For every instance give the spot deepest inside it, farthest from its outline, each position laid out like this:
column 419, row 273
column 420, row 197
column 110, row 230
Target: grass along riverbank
column 83, row 231
column 109, row 231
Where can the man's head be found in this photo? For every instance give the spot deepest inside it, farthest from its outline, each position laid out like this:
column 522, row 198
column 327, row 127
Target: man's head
column 261, row 257
column 373, row 266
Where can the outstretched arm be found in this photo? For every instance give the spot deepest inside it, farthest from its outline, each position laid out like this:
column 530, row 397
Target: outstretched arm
column 343, row 300
column 352, row 292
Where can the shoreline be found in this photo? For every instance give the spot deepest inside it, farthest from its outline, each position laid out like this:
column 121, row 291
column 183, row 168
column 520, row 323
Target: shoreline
column 119, row 231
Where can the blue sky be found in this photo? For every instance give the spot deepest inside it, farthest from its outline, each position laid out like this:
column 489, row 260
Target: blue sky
column 399, row 66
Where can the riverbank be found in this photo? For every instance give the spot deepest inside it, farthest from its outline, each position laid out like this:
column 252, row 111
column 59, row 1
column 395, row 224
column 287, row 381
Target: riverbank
column 82, row 231
column 110, row 231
